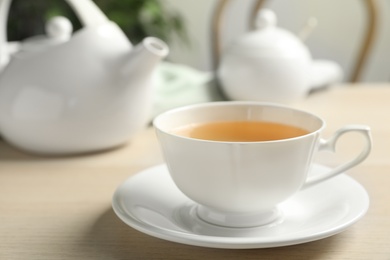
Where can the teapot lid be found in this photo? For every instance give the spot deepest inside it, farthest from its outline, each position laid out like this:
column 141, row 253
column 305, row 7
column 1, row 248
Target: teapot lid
column 87, row 11
column 268, row 40
column 58, row 30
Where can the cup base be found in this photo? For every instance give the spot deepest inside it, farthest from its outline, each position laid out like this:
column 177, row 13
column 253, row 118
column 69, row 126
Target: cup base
column 238, row 220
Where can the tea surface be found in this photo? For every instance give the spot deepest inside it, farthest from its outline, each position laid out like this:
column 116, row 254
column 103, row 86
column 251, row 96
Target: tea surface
column 240, row 131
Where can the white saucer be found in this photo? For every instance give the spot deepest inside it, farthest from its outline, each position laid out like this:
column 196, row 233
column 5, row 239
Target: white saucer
column 151, row 203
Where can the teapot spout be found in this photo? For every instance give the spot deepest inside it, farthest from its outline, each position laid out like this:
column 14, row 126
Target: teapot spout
column 145, row 56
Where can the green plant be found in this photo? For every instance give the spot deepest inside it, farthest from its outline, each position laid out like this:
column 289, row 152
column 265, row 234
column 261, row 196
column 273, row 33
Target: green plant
column 137, row 18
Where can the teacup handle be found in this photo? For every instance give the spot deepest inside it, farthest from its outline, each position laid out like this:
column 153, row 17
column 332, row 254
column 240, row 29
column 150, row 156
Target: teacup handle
column 330, row 145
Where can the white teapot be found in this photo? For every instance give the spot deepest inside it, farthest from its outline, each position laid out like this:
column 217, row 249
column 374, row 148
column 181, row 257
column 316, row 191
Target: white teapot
column 65, row 93
column 271, row 64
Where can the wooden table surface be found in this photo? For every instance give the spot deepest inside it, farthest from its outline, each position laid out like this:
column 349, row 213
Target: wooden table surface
column 60, row 207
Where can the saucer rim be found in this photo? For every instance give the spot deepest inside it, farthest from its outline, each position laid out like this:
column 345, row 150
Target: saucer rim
column 229, row 242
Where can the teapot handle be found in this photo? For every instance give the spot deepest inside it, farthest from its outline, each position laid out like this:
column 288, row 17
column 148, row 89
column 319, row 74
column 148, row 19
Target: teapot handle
column 4, row 54
column 87, row 11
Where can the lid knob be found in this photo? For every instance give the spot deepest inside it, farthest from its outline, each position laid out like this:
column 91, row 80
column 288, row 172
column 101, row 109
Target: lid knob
column 265, row 18
column 59, row 28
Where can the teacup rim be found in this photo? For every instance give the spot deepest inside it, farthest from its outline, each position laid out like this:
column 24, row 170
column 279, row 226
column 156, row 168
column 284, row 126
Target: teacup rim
column 224, row 103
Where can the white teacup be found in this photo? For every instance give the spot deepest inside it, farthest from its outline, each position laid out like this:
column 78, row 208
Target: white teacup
column 240, row 183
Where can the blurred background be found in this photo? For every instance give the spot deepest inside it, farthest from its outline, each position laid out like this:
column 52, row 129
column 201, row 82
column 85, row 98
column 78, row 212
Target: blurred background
column 185, row 26
column 338, row 36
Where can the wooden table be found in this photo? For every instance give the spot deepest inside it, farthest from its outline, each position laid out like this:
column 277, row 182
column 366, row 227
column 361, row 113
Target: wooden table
column 60, row 208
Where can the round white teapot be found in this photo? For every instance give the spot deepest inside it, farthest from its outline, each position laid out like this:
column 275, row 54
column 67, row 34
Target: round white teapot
column 65, row 92
column 268, row 64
